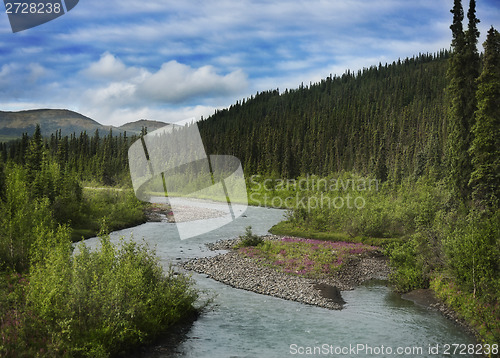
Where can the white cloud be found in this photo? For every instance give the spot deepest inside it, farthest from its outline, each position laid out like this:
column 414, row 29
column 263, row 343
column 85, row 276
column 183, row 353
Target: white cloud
column 116, row 94
column 110, row 68
column 36, row 71
column 176, row 82
column 117, row 116
column 172, row 83
column 5, row 71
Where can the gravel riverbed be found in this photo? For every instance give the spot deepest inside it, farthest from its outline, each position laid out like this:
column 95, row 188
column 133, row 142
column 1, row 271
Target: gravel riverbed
column 185, row 213
column 245, row 273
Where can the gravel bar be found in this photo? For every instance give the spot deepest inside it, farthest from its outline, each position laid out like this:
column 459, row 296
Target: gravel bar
column 242, row 272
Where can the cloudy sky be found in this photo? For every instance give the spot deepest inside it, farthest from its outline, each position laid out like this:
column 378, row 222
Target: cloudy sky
column 120, row 61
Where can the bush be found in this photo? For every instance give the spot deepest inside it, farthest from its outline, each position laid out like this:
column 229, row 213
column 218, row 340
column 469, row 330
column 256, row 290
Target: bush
column 104, row 302
column 20, row 215
column 120, row 208
column 480, row 314
column 250, row 239
column 473, row 254
column 406, row 273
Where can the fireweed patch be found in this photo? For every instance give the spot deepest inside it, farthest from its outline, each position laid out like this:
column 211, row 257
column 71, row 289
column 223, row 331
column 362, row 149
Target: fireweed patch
column 306, row 257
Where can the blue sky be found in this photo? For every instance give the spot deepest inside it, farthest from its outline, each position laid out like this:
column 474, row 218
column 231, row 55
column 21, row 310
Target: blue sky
column 120, row 61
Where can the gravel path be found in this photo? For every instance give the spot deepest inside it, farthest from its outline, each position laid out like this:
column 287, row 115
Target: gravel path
column 242, row 272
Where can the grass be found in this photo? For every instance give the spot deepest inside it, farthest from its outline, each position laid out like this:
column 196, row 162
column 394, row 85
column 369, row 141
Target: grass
column 484, row 317
column 286, row 228
column 119, row 209
column 306, row 257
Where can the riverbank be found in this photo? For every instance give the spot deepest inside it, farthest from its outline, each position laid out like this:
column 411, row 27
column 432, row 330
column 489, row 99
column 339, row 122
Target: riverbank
column 116, row 208
column 158, row 212
column 427, row 298
column 235, row 270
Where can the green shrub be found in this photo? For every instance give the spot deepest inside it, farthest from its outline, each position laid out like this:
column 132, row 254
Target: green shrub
column 480, row 314
column 104, row 302
column 250, row 239
column 20, row 216
column 120, row 208
column 406, row 269
column 19, row 336
column 473, row 253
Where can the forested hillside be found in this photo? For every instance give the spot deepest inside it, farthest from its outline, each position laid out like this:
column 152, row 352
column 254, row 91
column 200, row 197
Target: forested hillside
column 57, row 302
column 426, row 128
column 99, row 158
column 387, row 120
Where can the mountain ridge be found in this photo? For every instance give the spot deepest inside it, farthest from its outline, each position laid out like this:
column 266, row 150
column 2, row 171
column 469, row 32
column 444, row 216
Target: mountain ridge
column 14, row 123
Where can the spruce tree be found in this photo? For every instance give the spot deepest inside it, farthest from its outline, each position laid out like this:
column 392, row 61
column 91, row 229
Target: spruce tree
column 472, row 69
column 485, row 149
column 34, row 155
column 462, row 74
column 471, row 53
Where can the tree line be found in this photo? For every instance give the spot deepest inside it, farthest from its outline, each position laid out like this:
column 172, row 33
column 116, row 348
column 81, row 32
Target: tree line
column 103, row 159
column 427, row 127
column 56, row 301
column 387, row 120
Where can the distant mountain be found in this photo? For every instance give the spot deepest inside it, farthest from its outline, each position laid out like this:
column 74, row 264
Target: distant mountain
column 14, row 124
column 136, row 127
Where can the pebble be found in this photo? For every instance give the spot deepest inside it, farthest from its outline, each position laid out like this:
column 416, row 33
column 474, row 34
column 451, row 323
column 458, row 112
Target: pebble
column 242, row 272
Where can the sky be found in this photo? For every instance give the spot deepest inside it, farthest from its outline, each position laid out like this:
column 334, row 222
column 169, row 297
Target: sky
column 173, row 61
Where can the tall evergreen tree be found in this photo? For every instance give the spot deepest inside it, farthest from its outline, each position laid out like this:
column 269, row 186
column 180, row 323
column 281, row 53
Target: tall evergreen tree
column 471, row 39
column 34, row 155
column 462, row 74
column 485, row 149
column 472, row 63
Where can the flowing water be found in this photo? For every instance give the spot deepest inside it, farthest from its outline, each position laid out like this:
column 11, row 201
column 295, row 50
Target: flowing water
column 374, row 323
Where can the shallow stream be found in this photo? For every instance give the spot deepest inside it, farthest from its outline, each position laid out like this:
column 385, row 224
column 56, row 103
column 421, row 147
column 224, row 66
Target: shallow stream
column 374, row 323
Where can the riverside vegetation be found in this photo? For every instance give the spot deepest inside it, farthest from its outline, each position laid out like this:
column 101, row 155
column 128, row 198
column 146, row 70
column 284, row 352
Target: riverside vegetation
column 299, row 256
column 455, row 252
column 426, row 128
column 56, row 302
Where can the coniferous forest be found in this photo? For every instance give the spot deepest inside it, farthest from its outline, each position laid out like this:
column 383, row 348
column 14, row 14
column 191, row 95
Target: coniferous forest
column 426, row 128
column 387, row 119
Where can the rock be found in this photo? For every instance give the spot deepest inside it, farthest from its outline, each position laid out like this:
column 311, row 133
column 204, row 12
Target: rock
column 330, row 292
column 242, row 272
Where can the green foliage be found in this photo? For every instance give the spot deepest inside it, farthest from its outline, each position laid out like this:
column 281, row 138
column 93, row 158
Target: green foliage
column 362, row 207
column 34, row 157
column 20, row 218
column 94, row 304
column 485, row 148
column 373, row 122
column 462, row 73
column 104, row 302
column 20, row 333
column 482, row 315
column 118, row 207
column 407, row 273
column 473, row 254
column 103, row 159
column 249, row 239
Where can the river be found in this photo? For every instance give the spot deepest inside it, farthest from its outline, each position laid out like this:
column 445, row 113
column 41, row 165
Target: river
column 375, row 322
